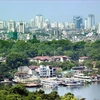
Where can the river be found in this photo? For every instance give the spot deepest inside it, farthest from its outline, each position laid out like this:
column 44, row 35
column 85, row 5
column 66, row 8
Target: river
column 89, row 91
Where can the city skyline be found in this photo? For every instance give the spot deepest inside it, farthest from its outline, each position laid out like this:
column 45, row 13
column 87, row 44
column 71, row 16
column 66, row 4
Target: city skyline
column 56, row 11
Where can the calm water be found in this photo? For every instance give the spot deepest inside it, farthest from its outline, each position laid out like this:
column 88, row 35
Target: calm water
column 90, row 91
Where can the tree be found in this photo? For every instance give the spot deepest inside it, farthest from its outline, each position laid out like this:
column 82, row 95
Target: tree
column 14, row 60
column 19, row 89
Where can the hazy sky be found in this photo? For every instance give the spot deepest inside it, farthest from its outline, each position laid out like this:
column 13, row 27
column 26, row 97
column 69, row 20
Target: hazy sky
column 55, row 10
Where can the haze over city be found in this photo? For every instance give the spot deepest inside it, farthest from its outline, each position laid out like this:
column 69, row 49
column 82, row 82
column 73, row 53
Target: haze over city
column 58, row 11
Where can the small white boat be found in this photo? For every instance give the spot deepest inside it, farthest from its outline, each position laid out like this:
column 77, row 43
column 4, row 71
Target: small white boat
column 74, row 83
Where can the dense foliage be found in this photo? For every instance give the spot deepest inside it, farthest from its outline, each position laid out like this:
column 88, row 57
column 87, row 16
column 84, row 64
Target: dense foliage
column 18, row 52
column 19, row 92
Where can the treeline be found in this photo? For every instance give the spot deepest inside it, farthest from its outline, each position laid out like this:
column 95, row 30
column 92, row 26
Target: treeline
column 19, row 92
column 34, row 48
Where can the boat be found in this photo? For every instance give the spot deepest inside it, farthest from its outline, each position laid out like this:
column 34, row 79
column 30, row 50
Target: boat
column 74, row 83
column 83, row 78
column 49, row 83
column 32, row 85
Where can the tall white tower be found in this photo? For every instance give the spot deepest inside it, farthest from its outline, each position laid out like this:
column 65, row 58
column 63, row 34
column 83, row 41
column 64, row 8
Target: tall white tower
column 85, row 23
column 39, row 21
column 21, row 27
column 99, row 28
column 1, row 24
column 91, row 20
column 11, row 26
column 32, row 23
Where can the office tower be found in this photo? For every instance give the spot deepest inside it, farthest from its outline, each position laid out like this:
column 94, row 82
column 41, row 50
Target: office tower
column 39, row 21
column 1, row 24
column 85, row 23
column 21, row 27
column 78, row 21
column 12, row 35
column 91, row 20
column 11, row 26
column 32, row 23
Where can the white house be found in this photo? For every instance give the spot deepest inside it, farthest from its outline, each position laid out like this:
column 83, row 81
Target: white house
column 40, row 59
column 61, row 58
column 46, row 71
column 82, row 59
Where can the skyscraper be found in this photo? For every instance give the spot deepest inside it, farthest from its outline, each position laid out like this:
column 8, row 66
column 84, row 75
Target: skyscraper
column 85, row 23
column 91, row 20
column 11, row 26
column 99, row 28
column 21, row 27
column 1, row 24
column 32, row 23
column 39, row 21
column 78, row 21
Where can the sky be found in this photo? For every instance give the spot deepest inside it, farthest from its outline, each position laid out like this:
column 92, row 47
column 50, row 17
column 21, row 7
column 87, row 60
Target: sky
column 55, row 10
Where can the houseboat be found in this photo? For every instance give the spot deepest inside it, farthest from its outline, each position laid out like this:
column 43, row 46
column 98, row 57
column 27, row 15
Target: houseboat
column 83, row 78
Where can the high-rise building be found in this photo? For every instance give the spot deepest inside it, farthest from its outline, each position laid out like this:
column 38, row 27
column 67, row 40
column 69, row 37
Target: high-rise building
column 11, row 26
column 54, row 25
column 91, row 20
column 12, row 35
column 39, row 21
column 78, row 21
column 1, row 24
column 85, row 23
column 21, row 27
column 61, row 25
column 99, row 28
column 32, row 23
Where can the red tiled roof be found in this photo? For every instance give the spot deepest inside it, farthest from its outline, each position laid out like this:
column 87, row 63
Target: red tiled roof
column 33, row 67
column 42, row 58
column 61, row 56
column 84, row 57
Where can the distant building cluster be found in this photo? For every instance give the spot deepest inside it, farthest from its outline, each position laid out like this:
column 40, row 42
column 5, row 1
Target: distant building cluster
column 44, row 29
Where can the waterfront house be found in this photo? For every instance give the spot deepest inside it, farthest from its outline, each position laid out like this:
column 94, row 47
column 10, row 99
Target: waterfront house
column 46, row 71
column 60, row 58
column 40, row 59
column 23, row 72
column 82, row 59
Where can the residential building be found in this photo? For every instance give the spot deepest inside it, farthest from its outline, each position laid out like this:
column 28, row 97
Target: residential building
column 1, row 24
column 46, row 71
column 40, row 59
column 11, row 26
column 82, row 59
column 21, row 27
column 60, row 58
column 78, row 22
column 32, row 23
column 54, row 25
column 99, row 28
